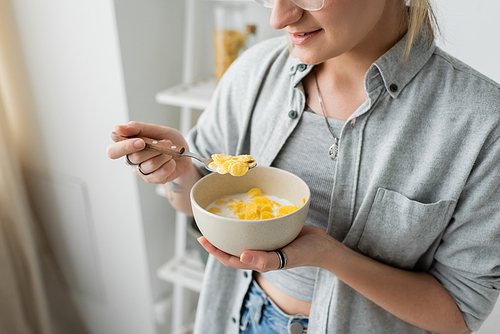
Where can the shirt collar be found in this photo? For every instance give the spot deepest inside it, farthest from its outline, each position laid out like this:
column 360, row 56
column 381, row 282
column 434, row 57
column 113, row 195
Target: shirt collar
column 298, row 70
column 393, row 73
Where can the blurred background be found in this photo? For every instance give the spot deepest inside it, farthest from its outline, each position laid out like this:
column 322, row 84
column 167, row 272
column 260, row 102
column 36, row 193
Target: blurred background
column 85, row 245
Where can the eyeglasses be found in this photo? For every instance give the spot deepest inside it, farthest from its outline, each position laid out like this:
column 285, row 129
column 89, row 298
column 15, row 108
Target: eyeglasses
column 310, row 5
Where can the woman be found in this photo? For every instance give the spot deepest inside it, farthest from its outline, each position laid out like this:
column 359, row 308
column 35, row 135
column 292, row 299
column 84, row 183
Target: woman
column 403, row 233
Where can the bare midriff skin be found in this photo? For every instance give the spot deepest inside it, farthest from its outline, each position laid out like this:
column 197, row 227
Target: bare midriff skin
column 288, row 304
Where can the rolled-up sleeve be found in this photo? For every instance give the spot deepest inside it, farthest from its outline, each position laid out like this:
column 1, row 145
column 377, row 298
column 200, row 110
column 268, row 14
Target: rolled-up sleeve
column 467, row 263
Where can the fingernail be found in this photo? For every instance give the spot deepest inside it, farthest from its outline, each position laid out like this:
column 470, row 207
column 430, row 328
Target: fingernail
column 246, row 258
column 139, row 143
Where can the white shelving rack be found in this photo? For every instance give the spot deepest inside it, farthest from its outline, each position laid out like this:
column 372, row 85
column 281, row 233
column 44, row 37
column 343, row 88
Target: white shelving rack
column 185, row 270
column 195, row 95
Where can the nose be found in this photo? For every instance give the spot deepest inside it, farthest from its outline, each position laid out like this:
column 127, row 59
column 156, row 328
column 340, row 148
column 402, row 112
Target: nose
column 284, row 13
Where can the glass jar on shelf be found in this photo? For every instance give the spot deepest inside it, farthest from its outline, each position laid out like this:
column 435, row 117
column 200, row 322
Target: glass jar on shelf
column 250, row 37
column 229, row 35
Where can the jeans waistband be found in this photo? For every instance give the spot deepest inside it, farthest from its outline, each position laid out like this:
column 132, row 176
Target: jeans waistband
column 258, row 305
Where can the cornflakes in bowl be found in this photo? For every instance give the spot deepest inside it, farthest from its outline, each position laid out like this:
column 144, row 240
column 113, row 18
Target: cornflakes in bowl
column 263, row 228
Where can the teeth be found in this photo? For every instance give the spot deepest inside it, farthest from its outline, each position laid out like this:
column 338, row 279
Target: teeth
column 302, row 34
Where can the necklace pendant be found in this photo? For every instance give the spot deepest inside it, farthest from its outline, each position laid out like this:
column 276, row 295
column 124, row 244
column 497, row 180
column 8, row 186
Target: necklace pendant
column 334, row 150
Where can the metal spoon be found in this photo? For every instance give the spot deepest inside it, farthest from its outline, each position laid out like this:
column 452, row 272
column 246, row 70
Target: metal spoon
column 155, row 145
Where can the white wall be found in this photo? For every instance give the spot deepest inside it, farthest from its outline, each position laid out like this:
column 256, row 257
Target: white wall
column 471, row 31
column 151, row 54
column 74, row 66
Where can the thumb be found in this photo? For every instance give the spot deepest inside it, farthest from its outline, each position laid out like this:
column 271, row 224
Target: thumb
column 260, row 260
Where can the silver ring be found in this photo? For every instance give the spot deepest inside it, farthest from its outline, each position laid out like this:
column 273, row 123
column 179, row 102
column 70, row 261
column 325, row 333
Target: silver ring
column 140, row 170
column 128, row 162
column 282, row 257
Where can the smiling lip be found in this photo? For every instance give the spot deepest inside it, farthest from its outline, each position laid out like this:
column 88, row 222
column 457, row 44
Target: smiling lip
column 301, row 38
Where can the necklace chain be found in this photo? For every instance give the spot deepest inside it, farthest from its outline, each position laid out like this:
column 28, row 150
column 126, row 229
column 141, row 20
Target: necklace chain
column 334, row 149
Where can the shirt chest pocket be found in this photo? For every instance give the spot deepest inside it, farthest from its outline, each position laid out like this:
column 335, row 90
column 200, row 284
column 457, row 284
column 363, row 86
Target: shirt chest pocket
column 399, row 231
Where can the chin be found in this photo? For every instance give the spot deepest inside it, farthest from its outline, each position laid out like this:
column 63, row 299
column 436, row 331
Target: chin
column 309, row 58
column 309, row 62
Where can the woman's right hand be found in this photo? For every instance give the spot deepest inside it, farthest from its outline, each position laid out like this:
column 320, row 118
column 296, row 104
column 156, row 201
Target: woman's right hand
column 160, row 168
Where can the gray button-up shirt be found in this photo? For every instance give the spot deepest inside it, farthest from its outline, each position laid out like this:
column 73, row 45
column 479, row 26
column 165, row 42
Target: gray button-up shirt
column 417, row 182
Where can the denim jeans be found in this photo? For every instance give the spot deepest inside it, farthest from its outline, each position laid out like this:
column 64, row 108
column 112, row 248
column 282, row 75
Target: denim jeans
column 260, row 315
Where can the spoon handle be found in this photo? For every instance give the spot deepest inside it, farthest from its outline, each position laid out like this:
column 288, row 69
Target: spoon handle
column 152, row 144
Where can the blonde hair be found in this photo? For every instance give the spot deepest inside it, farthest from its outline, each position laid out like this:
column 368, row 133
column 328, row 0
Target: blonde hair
column 420, row 12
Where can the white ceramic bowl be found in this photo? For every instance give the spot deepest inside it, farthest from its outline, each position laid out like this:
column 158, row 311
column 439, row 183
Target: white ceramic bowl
column 235, row 235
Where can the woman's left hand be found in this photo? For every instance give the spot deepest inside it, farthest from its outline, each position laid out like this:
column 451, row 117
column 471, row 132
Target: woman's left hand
column 308, row 249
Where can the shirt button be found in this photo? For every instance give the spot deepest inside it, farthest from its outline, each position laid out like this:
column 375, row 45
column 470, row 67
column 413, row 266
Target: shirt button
column 301, row 67
column 234, row 320
column 245, row 274
column 393, row 88
column 292, row 68
column 292, row 114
